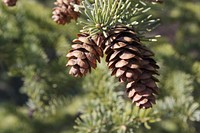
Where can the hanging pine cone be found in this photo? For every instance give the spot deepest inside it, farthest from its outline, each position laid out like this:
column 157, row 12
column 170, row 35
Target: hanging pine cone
column 64, row 12
column 10, row 2
column 132, row 62
column 84, row 54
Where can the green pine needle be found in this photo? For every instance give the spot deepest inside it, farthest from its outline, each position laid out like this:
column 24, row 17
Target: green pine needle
column 102, row 15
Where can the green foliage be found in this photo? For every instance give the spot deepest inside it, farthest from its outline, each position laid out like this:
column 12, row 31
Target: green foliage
column 103, row 113
column 178, row 103
column 33, row 49
column 101, row 15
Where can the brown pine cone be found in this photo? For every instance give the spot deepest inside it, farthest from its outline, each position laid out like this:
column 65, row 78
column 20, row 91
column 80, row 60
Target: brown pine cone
column 10, row 2
column 64, row 12
column 132, row 62
column 84, row 54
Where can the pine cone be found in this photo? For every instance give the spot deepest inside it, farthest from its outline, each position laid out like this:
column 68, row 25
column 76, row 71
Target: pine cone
column 10, row 2
column 64, row 12
column 132, row 62
column 84, row 55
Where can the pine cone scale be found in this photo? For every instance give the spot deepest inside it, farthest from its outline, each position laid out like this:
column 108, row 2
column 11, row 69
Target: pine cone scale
column 127, row 55
column 112, row 55
column 121, row 63
column 120, row 71
column 91, row 57
column 76, row 53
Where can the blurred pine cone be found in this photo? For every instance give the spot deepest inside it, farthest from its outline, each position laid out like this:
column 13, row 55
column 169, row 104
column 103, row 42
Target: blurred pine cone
column 64, row 12
column 84, row 54
column 132, row 62
column 10, row 2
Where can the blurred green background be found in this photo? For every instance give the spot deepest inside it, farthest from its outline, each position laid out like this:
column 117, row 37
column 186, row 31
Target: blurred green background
column 38, row 96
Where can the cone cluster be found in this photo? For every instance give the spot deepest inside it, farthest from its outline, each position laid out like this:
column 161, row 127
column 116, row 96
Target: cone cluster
column 10, row 2
column 129, row 60
column 64, row 11
column 84, row 55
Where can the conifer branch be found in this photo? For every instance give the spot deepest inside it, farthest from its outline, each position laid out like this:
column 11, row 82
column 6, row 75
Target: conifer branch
column 101, row 16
